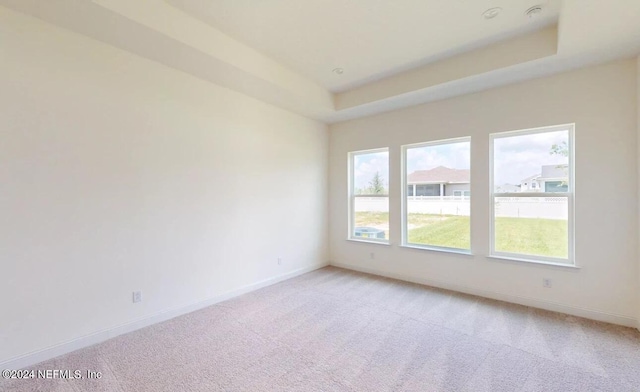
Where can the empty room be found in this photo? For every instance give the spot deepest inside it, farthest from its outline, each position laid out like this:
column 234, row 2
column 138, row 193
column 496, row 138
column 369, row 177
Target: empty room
column 320, row 195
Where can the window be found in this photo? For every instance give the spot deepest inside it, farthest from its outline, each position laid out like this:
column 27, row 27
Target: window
column 369, row 195
column 462, row 194
column 533, row 226
column 436, row 205
column 423, row 190
column 556, row 186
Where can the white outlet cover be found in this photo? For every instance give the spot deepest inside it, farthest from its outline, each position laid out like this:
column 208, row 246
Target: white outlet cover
column 137, row 296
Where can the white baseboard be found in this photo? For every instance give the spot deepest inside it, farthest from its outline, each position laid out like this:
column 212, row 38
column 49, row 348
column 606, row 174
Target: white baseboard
column 35, row 357
column 526, row 301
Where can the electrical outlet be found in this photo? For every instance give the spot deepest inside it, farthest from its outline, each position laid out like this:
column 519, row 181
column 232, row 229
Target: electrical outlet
column 137, row 296
column 279, row 260
column 372, row 255
column 546, row 282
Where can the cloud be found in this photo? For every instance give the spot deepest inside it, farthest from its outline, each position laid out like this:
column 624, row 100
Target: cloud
column 518, row 157
column 454, row 156
column 365, row 167
column 515, row 158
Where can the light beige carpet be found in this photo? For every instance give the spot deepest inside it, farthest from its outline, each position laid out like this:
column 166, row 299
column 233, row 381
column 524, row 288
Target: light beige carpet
column 336, row 330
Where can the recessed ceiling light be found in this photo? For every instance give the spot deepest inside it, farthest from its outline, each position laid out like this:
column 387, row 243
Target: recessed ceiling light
column 338, row 71
column 492, row 13
column 534, row 11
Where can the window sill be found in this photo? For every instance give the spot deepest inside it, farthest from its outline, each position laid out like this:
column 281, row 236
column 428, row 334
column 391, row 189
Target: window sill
column 540, row 262
column 385, row 243
column 437, row 249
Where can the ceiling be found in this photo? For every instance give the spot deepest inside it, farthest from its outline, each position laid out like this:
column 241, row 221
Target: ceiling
column 369, row 39
column 394, row 53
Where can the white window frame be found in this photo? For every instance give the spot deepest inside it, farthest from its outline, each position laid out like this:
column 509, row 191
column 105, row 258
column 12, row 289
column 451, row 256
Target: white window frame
column 404, row 228
column 463, row 195
column 352, row 195
column 569, row 195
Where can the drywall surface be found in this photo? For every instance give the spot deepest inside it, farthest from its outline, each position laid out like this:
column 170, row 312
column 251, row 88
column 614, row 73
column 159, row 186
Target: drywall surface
column 119, row 174
column 601, row 101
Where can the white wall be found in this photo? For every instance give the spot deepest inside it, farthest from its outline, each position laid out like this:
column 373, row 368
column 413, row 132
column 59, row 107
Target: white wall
column 119, row 174
column 602, row 103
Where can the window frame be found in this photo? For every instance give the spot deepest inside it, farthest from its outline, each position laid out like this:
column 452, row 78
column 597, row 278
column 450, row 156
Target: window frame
column 569, row 195
column 404, row 198
column 352, row 196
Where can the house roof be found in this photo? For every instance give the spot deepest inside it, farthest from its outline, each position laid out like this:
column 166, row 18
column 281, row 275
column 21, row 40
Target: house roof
column 554, row 171
column 533, row 177
column 508, row 188
column 549, row 172
column 440, row 174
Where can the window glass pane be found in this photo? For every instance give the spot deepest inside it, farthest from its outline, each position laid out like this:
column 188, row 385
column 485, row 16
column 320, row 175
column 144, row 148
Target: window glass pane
column 439, row 177
column 371, row 173
column 536, row 226
column 556, row 186
column 526, row 163
column 371, row 217
column 532, row 226
column 370, row 196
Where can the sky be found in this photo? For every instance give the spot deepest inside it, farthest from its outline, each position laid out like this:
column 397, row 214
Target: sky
column 519, row 157
column 515, row 158
column 365, row 167
column 453, row 156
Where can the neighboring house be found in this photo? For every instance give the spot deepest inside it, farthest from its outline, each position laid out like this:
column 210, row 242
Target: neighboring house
column 508, row 188
column 553, row 178
column 530, row 184
column 439, row 181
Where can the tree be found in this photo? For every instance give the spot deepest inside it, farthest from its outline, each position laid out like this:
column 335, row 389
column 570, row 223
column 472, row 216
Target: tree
column 563, row 150
column 376, row 185
column 560, row 149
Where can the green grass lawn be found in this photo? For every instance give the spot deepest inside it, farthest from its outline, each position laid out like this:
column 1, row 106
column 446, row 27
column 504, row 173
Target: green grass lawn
column 542, row 237
column 369, row 219
column 435, row 230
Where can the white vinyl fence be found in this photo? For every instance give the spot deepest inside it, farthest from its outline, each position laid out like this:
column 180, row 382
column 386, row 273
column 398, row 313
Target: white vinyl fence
column 514, row 207
column 532, row 207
